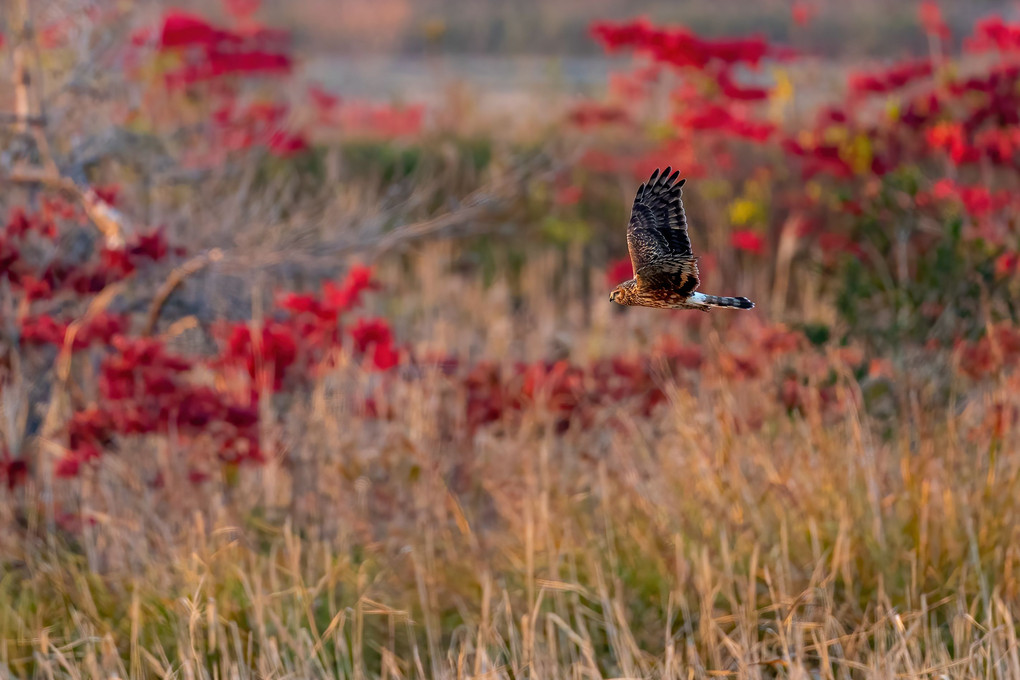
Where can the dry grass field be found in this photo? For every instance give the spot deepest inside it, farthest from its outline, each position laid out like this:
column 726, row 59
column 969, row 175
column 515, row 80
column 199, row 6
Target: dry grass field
column 299, row 384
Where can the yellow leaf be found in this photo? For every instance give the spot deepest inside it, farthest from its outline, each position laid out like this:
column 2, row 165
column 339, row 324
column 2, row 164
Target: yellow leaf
column 744, row 211
column 858, row 153
column 893, row 111
column 783, row 90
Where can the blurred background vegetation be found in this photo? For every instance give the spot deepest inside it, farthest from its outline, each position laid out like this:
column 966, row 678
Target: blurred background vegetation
column 307, row 367
column 864, row 28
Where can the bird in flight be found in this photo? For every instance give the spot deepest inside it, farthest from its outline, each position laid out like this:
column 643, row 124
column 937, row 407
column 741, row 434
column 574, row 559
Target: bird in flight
column 665, row 269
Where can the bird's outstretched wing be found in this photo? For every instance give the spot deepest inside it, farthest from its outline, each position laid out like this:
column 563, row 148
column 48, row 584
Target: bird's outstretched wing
column 660, row 249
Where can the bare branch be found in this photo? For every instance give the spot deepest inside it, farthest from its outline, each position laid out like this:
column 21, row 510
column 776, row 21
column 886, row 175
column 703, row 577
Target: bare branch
column 22, row 79
column 176, row 278
column 108, row 220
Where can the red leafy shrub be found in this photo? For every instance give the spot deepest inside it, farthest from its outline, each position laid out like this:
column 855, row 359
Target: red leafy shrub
column 98, row 330
column 883, row 156
column 315, row 320
column 141, row 389
column 573, row 394
column 145, row 390
column 348, row 295
column 209, row 52
column 128, row 386
column 679, row 46
column 992, row 33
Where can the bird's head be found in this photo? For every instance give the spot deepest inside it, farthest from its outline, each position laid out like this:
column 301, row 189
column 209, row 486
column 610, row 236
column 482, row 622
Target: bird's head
column 624, row 293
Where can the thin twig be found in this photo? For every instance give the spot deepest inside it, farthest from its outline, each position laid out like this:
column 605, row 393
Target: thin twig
column 22, row 79
column 27, row 174
column 175, row 279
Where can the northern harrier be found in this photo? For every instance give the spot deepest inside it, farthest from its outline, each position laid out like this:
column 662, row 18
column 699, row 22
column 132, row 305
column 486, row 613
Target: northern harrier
column 665, row 269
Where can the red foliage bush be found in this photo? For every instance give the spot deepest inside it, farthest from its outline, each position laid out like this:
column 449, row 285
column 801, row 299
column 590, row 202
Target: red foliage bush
column 679, row 46
column 210, row 52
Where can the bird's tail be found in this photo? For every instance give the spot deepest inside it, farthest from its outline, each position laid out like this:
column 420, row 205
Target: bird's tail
column 719, row 301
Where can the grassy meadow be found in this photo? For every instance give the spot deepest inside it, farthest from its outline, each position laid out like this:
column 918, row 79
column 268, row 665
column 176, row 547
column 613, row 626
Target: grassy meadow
column 302, row 384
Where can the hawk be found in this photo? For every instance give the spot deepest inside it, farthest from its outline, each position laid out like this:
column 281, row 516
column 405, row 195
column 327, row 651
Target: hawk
column 665, row 269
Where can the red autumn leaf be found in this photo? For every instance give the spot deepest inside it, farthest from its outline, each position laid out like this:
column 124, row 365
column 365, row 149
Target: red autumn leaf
column 92, row 425
column 242, row 416
column 70, row 465
column 385, row 357
column 152, row 246
column 347, row 295
column 619, row 271
column 13, row 471
column 1007, row 264
column 368, row 332
column 108, row 193
column 748, row 241
column 42, row 330
column 285, row 144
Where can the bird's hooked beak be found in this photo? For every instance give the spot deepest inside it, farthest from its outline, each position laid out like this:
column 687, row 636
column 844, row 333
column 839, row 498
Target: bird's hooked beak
column 612, row 296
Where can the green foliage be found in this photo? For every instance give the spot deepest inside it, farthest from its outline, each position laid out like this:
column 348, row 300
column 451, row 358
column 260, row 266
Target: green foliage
column 914, row 282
